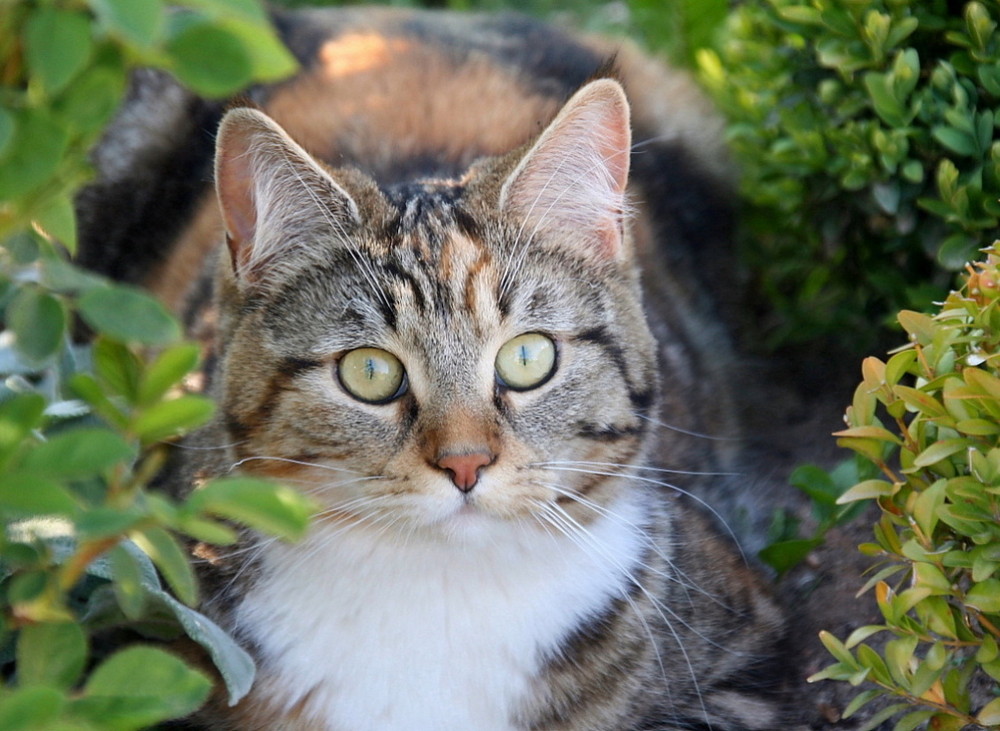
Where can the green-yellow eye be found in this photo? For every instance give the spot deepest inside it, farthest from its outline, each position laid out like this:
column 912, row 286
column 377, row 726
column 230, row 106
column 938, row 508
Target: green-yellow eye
column 526, row 362
column 372, row 375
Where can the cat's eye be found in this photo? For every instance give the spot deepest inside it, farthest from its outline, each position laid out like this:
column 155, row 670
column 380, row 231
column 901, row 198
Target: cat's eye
column 372, row 375
column 526, row 361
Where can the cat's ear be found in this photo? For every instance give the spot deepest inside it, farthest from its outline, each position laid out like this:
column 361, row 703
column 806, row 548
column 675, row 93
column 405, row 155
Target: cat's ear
column 273, row 196
column 571, row 183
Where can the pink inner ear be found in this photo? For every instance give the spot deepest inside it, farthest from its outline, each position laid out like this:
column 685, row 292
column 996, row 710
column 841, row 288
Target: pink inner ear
column 234, row 182
column 571, row 184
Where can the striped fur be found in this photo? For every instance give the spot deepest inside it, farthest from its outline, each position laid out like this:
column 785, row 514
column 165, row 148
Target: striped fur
column 424, row 187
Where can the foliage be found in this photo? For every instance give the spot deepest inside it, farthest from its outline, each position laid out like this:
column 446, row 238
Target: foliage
column 90, row 558
column 929, row 419
column 865, row 131
column 787, row 546
column 64, row 70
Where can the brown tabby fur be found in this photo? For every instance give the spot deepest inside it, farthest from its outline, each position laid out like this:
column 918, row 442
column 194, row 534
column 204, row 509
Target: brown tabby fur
column 454, row 103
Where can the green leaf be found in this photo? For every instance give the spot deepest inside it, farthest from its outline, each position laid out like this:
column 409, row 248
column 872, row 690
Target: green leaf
column 784, row 555
column 866, row 490
column 957, row 141
column 127, row 584
column 233, row 663
column 79, row 453
column 989, row 715
column 166, row 371
column 170, row 559
column 270, row 59
column 30, row 709
column 926, row 504
column 897, row 658
column 249, row 10
column 6, row 130
column 103, row 522
column 117, row 367
column 920, row 401
column 140, row 686
column 207, row 531
column 93, row 97
column 860, row 700
column 171, row 418
column 128, row 315
column 262, row 505
column 140, row 23
column 911, row 720
column 58, row 220
column 884, row 101
column 18, row 417
column 34, row 155
column 52, row 654
column 836, row 648
column 29, row 494
column 985, row 596
column 57, row 46
column 86, row 387
column 862, row 633
column 38, row 321
column 210, row 60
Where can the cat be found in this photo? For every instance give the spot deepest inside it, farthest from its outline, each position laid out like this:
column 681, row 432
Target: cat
column 467, row 288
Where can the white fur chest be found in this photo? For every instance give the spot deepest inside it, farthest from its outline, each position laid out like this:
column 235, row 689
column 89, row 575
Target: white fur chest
column 365, row 633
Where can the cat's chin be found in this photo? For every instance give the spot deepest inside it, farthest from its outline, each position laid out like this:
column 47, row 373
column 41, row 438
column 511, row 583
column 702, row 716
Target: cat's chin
column 470, row 522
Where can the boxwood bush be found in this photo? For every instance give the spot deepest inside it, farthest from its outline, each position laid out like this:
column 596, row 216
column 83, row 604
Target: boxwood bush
column 865, row 133
column 929, row 419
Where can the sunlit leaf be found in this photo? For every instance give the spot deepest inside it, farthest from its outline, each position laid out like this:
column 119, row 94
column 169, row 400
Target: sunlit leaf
column 262, row 505
column 128, row 315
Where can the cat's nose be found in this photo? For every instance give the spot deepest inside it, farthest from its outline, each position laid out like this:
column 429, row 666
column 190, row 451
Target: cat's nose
column 464, row 468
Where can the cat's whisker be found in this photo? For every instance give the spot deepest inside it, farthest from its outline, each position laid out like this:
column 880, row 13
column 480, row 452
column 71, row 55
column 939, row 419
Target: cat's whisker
column 687, row 432
column 642, row 467
column 669, row 486
column 205, row 448
column 327, row 486
column 582, row 538
column 288, row 460
column 667, row 615
column 675, row 575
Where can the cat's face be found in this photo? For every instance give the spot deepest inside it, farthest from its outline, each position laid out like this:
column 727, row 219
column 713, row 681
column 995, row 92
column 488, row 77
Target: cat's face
column 444, row 357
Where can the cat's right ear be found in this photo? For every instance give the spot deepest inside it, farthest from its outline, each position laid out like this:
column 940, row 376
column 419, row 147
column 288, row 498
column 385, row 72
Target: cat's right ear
column 273, row 196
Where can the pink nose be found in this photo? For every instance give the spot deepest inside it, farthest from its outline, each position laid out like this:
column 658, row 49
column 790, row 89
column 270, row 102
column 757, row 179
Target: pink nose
column 464, row 468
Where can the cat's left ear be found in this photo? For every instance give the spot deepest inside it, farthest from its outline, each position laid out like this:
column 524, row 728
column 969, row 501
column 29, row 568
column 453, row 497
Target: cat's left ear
column 570, row 185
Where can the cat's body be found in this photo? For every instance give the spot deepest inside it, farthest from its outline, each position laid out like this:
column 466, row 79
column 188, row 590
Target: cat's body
column 495, row 549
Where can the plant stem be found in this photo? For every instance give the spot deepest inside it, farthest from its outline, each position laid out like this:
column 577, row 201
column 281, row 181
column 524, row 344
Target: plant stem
column 87, row 552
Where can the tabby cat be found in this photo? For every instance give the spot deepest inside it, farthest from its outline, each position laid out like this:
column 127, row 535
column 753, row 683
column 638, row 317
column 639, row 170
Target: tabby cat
column 445, row 312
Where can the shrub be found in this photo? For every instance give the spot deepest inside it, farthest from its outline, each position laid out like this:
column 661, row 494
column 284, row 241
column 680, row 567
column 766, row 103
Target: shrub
column 865, row 131
column 929, row 419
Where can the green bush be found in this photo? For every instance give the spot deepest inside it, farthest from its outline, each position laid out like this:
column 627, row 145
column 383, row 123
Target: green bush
column 90, row 552
column 929, row 420
column 865, row 132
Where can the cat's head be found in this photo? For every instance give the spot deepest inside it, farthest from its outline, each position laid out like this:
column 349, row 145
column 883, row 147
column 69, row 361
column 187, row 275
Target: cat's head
column 446, row 355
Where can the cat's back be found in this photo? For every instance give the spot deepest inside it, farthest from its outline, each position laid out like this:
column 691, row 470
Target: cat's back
column 399, row 95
